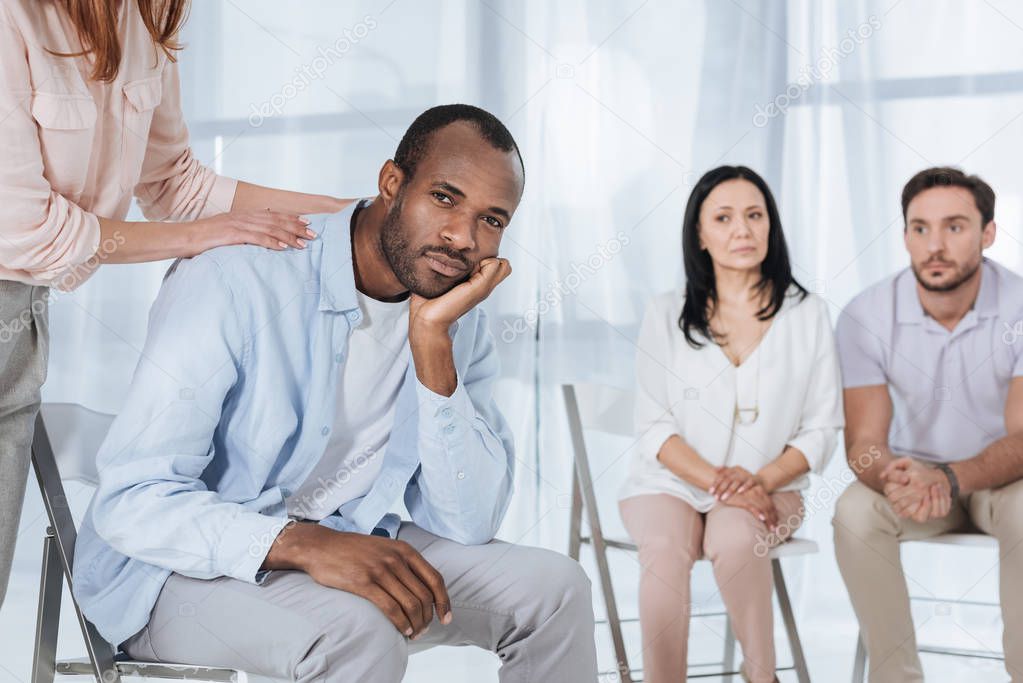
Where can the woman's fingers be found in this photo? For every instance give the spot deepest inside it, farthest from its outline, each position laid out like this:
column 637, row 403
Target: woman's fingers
column 719, row 479
column 290, row 229
column 737, row 481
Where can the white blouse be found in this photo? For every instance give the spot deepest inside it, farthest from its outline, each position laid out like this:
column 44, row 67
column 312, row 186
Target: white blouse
column 791, row 384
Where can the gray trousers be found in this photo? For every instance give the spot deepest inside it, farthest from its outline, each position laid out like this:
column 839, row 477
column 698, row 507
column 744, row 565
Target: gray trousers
column 24, row 342
column 530, row 606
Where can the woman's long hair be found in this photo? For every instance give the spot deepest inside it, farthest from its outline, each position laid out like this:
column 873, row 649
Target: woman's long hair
column 95, row 22
column 701, row 287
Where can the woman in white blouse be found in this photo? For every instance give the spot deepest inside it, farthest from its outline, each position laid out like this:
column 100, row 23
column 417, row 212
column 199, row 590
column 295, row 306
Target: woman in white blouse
column 738, row 398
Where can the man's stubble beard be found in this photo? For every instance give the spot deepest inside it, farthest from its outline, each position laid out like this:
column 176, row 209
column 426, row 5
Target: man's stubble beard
column 962, row 274
column 400, row 257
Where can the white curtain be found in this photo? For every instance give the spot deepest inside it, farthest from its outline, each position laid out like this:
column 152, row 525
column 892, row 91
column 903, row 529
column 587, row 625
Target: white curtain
column 619, row 107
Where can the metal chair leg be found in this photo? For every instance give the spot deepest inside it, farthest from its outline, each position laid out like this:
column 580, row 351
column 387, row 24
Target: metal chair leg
column 64, row 534
column 729, row 658
column 589, row 503
column 51, row 578
column 575, row 522
column 798, row 660
column 860, row 663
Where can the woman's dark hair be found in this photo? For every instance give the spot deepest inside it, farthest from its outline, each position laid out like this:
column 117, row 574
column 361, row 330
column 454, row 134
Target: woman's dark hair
column 701, row 287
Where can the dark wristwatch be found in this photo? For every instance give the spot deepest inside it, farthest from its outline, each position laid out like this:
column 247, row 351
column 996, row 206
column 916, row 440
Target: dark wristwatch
column 952, row 479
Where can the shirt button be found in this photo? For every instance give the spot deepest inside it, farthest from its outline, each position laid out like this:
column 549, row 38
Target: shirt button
column 461, row 475
column 325, row 431
column 285, row 492
column 338, row 357
column 446, row 412
column 449, row 429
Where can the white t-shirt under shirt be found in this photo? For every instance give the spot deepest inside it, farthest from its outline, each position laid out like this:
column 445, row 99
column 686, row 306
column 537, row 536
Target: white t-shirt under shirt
column 371, row 377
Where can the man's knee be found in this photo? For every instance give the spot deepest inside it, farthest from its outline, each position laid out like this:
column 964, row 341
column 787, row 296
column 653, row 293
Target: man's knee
column 859, row 512
column 363, row 641
column 559, row 584
column 1006, row 506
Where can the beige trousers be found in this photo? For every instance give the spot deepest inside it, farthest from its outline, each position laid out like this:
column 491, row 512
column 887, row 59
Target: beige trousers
column 867, row 536
column 671, row 536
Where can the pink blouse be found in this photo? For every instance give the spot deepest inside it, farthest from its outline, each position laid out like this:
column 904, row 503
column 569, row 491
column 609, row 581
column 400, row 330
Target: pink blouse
column 73, row 149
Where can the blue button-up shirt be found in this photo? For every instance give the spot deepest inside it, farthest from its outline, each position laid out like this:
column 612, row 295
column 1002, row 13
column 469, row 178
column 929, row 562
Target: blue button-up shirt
column 230, row 409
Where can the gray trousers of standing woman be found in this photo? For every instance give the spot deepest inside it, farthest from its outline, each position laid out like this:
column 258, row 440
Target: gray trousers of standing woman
column 24, row 342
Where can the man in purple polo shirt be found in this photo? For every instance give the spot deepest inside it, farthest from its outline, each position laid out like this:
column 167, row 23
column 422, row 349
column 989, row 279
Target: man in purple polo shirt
column 932, row 365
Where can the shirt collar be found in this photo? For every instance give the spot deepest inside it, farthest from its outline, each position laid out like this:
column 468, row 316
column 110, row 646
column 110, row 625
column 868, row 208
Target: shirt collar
column 337, row 272
column 908, row 309
column 987, row 297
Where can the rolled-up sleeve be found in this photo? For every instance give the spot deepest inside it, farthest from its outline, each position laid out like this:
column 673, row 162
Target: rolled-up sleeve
column 173, row 185
column 43, row 235
column 817, row 433
column 654, row 420
column 464, row 485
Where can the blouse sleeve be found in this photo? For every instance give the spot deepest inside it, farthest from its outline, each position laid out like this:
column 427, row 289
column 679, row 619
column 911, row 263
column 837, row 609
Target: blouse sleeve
column 817, row 433
column 174, row 185
column 43, row 235
column 654, row 420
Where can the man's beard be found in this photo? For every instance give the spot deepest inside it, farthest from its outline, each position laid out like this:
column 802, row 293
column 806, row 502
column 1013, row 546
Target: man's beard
column 961, row 275
column 403, row 259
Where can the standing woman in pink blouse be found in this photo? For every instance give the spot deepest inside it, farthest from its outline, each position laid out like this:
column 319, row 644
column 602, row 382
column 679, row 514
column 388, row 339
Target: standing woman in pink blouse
column 90, row 116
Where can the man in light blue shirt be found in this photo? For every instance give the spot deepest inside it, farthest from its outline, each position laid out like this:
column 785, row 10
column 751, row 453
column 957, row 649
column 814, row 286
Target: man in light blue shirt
column 194, row 548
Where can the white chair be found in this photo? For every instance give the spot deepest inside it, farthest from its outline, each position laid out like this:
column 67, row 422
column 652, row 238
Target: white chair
column 964, row 539
column 609, row 410
column 67, row 437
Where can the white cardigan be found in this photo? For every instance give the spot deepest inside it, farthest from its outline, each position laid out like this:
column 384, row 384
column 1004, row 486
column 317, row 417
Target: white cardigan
column 792, row 377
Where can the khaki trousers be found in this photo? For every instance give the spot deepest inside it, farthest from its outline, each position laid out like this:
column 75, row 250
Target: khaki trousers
column 867, row 536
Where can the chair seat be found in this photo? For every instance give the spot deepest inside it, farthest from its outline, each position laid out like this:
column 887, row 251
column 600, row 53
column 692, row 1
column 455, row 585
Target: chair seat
column 975, row 539
column 130, row 667
column 794, row 547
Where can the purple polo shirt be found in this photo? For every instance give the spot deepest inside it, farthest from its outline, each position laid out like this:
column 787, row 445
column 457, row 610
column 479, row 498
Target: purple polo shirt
column 948, row 388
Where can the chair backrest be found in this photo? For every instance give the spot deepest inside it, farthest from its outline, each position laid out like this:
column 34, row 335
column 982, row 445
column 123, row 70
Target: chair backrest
column 76, row 433
column 603, row 408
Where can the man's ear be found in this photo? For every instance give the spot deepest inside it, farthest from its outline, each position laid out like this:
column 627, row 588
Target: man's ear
column 389, row 182
column 987, row 236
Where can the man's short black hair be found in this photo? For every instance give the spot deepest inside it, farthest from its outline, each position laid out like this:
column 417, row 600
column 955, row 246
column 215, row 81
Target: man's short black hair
column 416, row 141
column 947, row 176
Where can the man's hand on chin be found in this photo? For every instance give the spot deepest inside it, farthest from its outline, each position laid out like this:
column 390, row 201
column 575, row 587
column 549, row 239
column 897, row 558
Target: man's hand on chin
column 430, row 319
column 916, row 491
